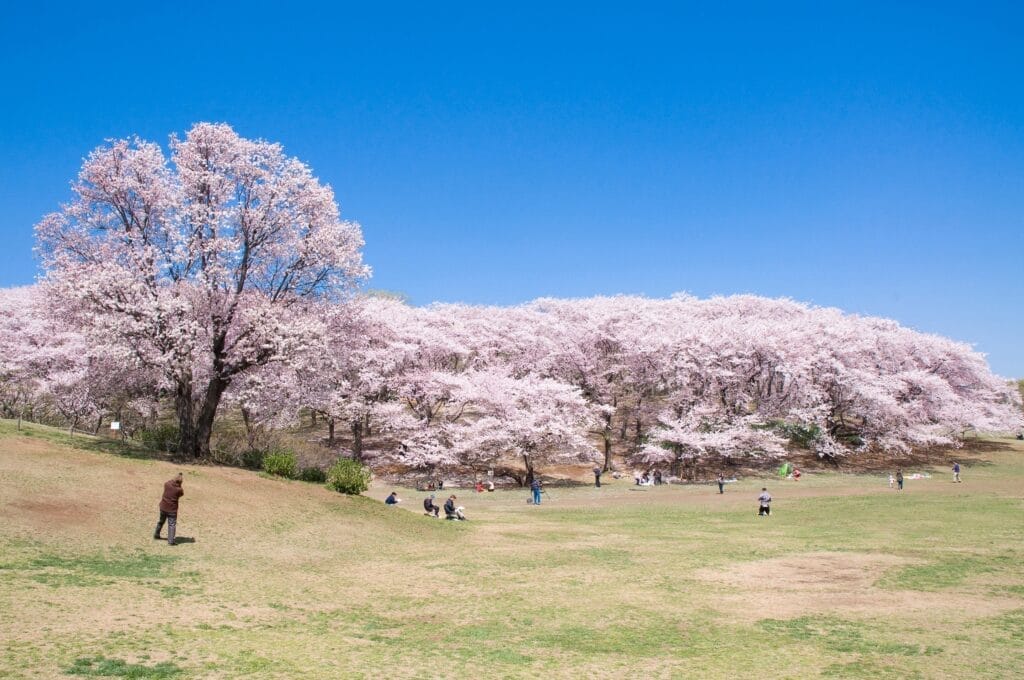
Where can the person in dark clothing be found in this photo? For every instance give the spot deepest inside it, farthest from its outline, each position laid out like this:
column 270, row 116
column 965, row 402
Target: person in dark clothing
column 393, row 499
column 452, row 512
column 764, row 508
column 597, row 477
column 899, row 479
column 657, row 477
column 535, row 488
column 169, row 508
column 721, row 483
column 430, row 507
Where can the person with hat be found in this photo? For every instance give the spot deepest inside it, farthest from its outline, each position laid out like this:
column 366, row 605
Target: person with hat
column 430, row 507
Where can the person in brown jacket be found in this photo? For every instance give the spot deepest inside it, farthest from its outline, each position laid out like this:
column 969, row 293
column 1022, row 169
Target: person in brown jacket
column 169, row 508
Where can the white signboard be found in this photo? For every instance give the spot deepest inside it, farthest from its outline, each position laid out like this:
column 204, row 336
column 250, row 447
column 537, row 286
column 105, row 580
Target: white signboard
column 115, row 425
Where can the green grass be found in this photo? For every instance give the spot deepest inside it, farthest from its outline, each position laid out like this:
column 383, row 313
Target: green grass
column 293, row 580
column 116, row 668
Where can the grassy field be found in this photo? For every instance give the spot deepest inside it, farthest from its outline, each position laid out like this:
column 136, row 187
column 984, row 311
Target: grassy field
column 285, row 579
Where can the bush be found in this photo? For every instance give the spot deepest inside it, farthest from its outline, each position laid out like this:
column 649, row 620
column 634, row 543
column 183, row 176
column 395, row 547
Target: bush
column 160, row 438
column 281, row 463
column 348, row 476
column 313, row 474
column 252, row 459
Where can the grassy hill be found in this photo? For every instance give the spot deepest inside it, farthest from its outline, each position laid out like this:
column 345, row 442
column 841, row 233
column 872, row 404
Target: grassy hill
column 284, row 579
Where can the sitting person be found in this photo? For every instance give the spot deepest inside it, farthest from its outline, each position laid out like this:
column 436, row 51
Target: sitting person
column 452, row 512
column 430, row 507
column 393, row 499
column 490, row 485
column 479, row 486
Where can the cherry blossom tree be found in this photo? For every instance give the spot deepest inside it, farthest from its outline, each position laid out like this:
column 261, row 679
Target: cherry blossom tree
column 207, row 265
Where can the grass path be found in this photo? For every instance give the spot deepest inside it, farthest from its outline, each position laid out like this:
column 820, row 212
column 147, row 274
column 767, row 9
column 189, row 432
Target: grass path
column 286, row 579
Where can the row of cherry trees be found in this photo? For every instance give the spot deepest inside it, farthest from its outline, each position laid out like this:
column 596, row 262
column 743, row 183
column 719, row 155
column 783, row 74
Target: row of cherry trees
column 222, row 276
column 557, row 381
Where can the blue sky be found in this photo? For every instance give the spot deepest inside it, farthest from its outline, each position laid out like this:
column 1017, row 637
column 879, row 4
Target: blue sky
column 869, row 157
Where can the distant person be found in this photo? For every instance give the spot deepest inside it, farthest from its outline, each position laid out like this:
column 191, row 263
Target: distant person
column 597, row 477
column 1020, row 436
column 899, row 480
column 657, row 477
column 535, row 487
column 490, row 485
column 453, row 512
column 169, row 508
column 430, row 507
column 796, row 475
column 479, row 486
column 393, row 499
column 721, row 483
column 892, row 480
column 764, row 508
column 956, row 472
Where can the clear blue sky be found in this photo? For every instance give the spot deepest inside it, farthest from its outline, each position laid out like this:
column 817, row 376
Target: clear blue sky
column 867, row 157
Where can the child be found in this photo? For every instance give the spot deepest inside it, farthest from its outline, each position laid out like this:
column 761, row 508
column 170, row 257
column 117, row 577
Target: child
column 765, row 503
column 892, row 481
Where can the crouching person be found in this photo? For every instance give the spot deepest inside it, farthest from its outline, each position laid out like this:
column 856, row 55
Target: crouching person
column 430, row 507
column 453, row 512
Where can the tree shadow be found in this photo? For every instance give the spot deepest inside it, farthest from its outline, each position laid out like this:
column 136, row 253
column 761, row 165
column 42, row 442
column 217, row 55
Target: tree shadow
column 178, row 540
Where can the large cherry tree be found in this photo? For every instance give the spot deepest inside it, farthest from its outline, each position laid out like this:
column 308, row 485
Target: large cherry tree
column 206, row 265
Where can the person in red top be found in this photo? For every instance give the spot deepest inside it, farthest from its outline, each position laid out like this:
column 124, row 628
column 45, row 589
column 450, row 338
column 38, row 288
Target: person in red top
column 169, row 508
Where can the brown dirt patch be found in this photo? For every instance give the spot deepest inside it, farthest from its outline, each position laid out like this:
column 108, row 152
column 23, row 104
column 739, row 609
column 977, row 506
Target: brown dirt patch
column 54, row 511
column 844, row 583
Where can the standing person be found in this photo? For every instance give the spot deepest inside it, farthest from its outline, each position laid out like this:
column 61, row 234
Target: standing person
column 721, row 483
column 899, row 480
column 597, row 477
column 764, row 508
column 892, row 480
column 169, row 508
column 956, row 472
column 535, row 487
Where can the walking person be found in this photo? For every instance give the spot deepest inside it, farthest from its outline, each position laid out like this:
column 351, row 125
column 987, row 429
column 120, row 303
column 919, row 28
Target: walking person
column 956, row 472
column 721, row 483
column 892, row 481
column 764, row 508
column 899, row 480
column 169, row 508
column 535, row 487
column 597, row 477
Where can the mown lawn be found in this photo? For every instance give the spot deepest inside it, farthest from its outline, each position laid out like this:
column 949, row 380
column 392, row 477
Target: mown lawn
column 286, row 579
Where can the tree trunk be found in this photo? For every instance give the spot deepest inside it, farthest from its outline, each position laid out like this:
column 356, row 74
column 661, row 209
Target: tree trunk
column 357, row 440
column 312, row 418
column 250, row 435
column 99, row 424
column 529, row 468
column 330, row 432
column 606, row 434
column 183, row 407
column 207, row 412
column 196, row 428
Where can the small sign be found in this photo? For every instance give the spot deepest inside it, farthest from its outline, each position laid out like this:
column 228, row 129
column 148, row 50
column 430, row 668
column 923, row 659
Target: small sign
column 115, row 425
